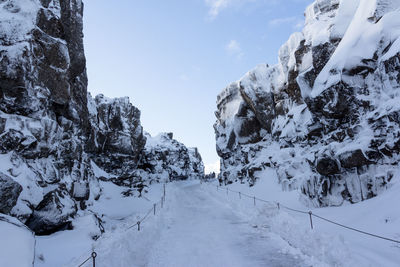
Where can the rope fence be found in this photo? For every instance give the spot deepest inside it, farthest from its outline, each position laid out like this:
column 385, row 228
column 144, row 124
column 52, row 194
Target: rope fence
column 309, row 213
column 153, row 209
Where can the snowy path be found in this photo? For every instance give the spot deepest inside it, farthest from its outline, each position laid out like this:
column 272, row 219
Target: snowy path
column 197, row 227
column 200, row 230
column 200, row 226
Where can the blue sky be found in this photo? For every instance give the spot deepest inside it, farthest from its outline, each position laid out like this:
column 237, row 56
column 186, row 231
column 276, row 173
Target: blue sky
column 172, row 57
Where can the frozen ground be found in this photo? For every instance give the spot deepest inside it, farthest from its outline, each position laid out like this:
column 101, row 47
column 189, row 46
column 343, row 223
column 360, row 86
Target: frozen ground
column 197, row 227
column 200, row 226
column 329, row 243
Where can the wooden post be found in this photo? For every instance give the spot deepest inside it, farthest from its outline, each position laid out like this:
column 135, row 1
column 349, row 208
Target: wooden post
column 254, row 200
column 138, row 225
column 240, row 196
column 227, row 191
column 154, row 209
column 278, row 206
column 310, row 213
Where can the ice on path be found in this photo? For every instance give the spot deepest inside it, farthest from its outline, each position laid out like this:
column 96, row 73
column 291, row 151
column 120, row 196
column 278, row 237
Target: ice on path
column 195, row 229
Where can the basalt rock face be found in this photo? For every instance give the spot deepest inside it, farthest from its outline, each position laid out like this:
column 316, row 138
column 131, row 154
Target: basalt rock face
column 43, row 98
column 116, row 140
column 326, row 117
column 165, row 159
column 56, row 141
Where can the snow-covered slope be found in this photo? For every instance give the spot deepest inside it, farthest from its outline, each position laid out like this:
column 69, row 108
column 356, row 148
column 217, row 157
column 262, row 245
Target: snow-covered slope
column 19, row 248
column 326, row 117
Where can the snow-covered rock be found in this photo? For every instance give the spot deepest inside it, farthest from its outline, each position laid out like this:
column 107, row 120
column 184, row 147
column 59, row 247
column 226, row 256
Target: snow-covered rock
column 326, row 117
column 53, row 213
column 166, row 159
column 43, row 99
column 56, row 141
column 116, row 139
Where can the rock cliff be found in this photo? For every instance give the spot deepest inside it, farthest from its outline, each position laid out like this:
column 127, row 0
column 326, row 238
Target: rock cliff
column 326, row 117
column 53, row 134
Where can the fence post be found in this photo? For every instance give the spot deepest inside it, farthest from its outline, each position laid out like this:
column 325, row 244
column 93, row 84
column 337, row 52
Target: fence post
column 138, row 225
column 162, row 202
column 164, row 190
column 279, row 207
column 227, row 191
column 240, row 196
column 154, row 209
column 310, row 213
column 94, row 255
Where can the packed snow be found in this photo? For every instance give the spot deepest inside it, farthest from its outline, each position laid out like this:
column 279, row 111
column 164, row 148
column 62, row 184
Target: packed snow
column 329, row 243
column 200, row 225
column 17, row 243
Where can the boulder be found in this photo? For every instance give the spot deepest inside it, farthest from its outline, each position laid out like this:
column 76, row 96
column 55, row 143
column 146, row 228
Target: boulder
column 352, row 159
column 53, row 213
column 327, row 166
column 9, row 193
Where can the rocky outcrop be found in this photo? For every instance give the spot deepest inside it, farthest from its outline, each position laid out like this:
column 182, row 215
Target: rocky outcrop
column 54, row 137
column 116, row 140
column 326, row 117
column 166, row 159
column 43, row 98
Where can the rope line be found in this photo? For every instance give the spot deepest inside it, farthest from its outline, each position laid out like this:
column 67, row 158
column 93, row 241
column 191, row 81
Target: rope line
column 317, row 216
column 85, row 261
column 354, row 229
column 295, row 210
column 151, row 210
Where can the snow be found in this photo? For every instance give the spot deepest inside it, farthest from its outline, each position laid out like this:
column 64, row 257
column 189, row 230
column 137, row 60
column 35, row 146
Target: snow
column 115, row 213
column 12, row 165
column 55, row 249
column 318, row 24
column 359, row 42
column 378, row 215
column 287, row 59
column 202, row 226
column 17, row 243
column 231, row 108
column 18, row 19
column 98, row 172
column 195, row 228
column 394, row 49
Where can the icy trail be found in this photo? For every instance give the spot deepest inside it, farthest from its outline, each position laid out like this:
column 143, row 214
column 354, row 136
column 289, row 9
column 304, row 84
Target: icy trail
column 202, row 231
column 196, row 228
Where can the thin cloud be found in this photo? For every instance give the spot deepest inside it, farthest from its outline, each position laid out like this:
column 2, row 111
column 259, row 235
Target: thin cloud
column 279, row 21
column 296, row 22
column 215, row 6
column 233, row 49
